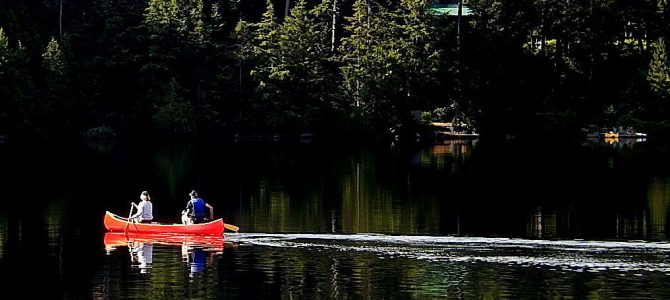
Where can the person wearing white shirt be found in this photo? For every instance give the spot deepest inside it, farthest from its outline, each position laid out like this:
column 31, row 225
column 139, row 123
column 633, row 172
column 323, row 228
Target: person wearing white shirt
column 144, row 212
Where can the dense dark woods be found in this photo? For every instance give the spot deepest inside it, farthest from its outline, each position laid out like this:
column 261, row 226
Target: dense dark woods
column 331, row 68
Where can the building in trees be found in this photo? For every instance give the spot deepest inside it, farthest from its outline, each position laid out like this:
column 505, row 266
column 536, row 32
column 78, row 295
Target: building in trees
column 449, row 8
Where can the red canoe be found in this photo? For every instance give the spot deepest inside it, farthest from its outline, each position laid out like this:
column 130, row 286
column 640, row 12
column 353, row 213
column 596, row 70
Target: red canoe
column 119, row 224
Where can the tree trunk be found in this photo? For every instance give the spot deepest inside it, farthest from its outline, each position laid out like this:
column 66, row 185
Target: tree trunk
column 60, row 21
column 332, row 39
column 458, row 26
column 288, row 6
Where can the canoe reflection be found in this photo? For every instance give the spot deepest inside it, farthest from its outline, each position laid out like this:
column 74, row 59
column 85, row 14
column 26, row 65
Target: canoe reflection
column 141, row 256
column 196, row 250
column 196, row 258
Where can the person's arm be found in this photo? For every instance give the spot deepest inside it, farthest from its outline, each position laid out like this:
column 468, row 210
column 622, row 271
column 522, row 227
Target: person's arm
column 211, row 211
column 140, row 209
column 189, row 207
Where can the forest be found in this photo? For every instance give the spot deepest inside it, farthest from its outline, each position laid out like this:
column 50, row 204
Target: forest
column 218, row 69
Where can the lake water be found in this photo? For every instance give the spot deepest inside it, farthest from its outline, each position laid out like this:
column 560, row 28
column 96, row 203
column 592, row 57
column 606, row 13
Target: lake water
column 461, row 220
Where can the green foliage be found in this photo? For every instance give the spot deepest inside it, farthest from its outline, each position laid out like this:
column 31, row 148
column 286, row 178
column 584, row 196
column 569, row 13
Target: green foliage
column 173, row 116
column 57, row 73
column 54, row 59
column 659, row 70
column 4, row 48
column 387, row 56
column 146, row 67
column 291, row 62
column 260, row 45
column 59, row 100
column 162, row 15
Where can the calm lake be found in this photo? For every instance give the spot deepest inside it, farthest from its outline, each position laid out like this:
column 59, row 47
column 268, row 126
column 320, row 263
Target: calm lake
column 456, row 220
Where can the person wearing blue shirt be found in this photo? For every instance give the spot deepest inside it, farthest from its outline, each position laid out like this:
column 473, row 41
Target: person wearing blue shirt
column 197, row 210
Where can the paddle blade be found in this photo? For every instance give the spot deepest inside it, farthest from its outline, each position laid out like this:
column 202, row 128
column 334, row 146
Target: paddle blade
column 231, row 227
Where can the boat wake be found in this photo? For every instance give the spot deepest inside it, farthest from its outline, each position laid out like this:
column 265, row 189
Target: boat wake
column 573, row 255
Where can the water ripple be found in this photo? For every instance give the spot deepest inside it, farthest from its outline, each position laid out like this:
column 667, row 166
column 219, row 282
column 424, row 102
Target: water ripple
column 571, row 255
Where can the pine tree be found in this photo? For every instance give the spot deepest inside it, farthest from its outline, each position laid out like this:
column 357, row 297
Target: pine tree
column 182, row 16
column 16, row 87
column 353, row 48
column 57, row 74
column 373, row 66
column 262, row 45
column 659, row 70
column 4, row 89
column 174, row 115
column 388, row 56
column 54, row 59
column 303, row 52
column 58, row 113
column 4, row 50
column 259, row 50
column 419, row 56
column 196, row 25
column 161, row 14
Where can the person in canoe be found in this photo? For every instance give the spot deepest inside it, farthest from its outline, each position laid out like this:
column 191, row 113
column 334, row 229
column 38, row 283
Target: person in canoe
column 144, row 212
column 197, row 210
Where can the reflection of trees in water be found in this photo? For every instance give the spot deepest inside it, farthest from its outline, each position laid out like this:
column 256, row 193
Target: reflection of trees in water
column 361, row 193
column 658, row 203
column 648, row 223
column 175, row 164
column 542, row 224
column 375, row 198
column 3, row 235
column 54, row 219
column 273, row 209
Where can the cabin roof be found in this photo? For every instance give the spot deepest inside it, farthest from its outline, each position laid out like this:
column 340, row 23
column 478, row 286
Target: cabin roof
column 448, row 10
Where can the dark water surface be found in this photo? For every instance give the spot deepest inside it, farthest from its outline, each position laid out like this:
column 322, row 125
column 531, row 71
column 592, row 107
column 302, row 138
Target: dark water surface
column 462, row 220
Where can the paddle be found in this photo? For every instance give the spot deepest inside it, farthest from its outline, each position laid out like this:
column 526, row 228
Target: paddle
column 129, row 215
column 231, row 227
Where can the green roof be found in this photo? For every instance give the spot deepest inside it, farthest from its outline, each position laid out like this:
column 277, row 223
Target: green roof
column 448, row 10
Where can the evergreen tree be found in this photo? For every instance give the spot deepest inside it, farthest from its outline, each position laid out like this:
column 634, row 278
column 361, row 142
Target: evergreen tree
column 54, row 59
column 4, row 48
column 388, row 56
column 659, row 70
column 419, row 55
column 161, row 14
column 174, row 116
column 302, row 74
column 16, row 88
column 354, row 49
column 4, row 70
column 259, row 44
column 57, row 113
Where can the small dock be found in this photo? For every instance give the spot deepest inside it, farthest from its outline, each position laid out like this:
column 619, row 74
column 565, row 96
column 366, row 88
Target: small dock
column 449, row 130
